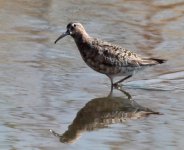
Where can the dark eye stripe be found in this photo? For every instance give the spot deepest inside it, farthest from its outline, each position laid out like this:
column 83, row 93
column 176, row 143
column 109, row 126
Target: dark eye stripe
column 72, row 28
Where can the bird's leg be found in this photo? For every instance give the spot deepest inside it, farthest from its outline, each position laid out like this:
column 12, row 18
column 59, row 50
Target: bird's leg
column 111, row 79
column 116, row 83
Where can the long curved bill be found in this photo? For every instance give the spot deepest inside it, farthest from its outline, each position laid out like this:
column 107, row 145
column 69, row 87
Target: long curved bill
column 62, row 36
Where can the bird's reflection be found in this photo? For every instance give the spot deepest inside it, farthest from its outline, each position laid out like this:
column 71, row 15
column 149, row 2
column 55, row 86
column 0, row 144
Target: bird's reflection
column 101, row 112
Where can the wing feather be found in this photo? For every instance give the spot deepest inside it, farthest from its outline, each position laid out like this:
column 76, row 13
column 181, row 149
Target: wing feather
column 113, row 55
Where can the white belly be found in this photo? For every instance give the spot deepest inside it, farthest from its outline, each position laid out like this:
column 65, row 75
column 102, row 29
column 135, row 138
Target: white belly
column 126, row 71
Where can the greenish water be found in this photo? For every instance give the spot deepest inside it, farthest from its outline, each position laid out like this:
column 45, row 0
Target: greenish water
column 43, row 86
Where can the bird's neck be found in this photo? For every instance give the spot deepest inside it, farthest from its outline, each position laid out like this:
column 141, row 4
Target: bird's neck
column 81, row 38
column 83, row 42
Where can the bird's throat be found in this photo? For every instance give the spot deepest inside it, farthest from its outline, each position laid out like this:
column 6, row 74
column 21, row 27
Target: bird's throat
column 82, row 41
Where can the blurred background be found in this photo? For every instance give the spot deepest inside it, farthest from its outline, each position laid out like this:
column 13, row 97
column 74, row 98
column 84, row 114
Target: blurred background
column 43, row 86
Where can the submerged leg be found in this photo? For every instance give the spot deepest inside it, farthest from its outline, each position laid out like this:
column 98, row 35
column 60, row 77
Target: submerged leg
column 116, row 83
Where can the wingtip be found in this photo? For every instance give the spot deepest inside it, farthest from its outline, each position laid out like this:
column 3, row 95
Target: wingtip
column 160, row 61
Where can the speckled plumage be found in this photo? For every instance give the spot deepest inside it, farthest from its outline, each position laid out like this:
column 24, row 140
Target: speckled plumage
column 109, row 59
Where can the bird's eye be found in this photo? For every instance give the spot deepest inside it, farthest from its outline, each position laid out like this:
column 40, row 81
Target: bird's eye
column 73, row 26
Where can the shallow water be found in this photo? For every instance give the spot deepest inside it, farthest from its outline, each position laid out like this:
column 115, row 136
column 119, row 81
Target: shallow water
column 43, row 86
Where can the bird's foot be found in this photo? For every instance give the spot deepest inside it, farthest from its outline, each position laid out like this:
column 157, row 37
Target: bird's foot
column 117, row 86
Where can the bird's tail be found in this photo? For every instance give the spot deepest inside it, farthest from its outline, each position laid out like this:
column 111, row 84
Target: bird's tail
column 152, row 61
column 159, row 61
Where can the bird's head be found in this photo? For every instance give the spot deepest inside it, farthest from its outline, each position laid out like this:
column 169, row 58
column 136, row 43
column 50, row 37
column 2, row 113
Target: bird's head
column 72, row 29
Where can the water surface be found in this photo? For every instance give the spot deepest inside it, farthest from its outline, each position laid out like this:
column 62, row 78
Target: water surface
column 43, row 85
